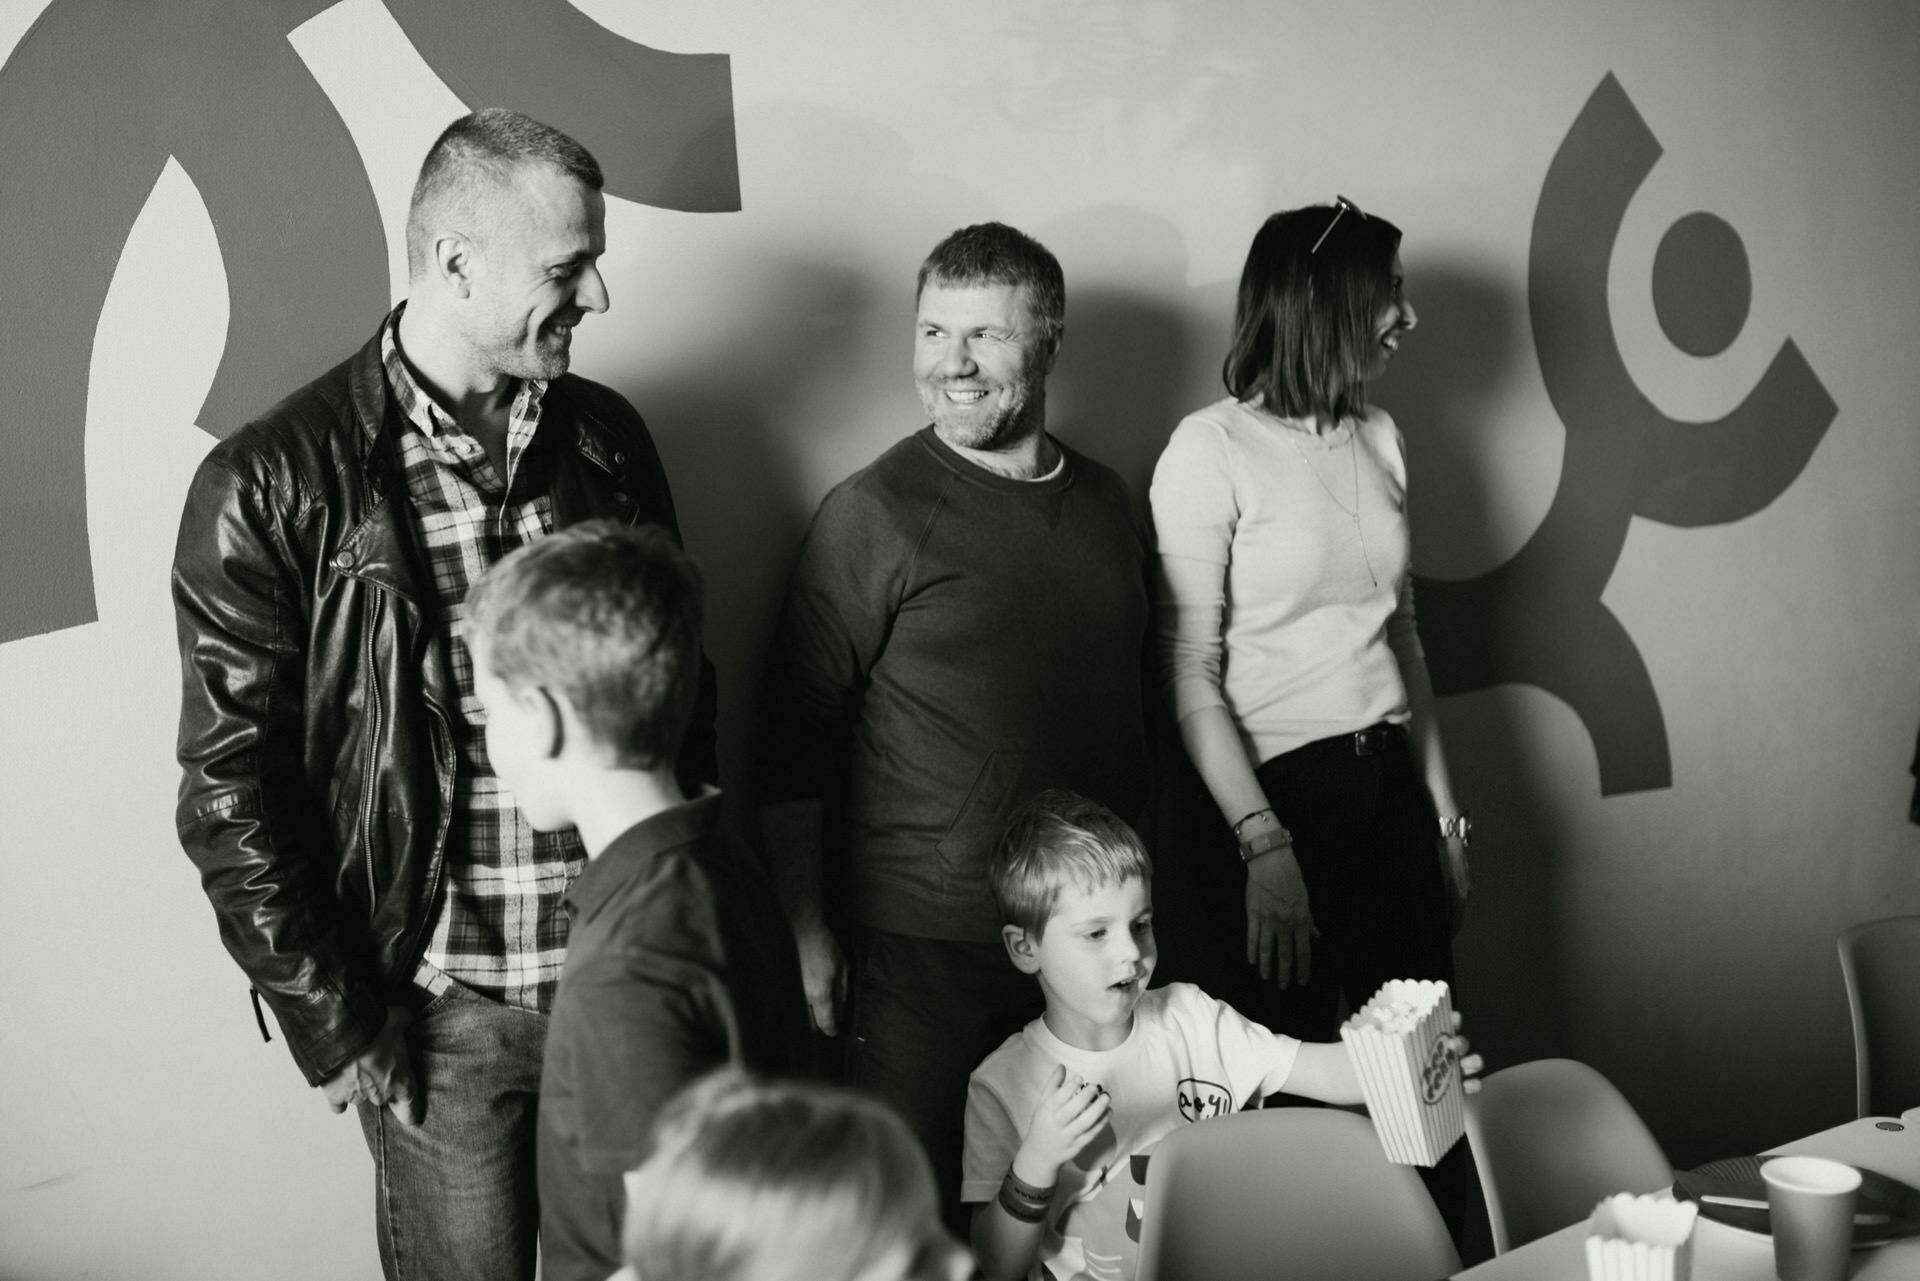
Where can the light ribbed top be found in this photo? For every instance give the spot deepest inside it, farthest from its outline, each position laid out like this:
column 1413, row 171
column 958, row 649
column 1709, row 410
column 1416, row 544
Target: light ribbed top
column 1281, row 607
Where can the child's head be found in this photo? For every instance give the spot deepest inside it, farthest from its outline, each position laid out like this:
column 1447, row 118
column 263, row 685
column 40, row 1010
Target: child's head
column 1074, row 886
column 763, row 1182
column 586, row 650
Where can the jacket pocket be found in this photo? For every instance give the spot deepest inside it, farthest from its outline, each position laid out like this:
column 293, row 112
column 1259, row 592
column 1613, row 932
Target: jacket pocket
column 976, row 826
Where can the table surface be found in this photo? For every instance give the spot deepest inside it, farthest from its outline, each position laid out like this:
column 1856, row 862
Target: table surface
column 1721, row 1253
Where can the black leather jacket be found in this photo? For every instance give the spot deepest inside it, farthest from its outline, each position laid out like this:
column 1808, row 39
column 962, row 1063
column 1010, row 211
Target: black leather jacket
column 317, row 700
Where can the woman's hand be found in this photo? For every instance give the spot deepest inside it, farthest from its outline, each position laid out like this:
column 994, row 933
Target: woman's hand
column 1279, row 921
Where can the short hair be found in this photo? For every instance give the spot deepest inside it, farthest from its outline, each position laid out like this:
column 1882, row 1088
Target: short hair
column 1055, row 839
column 992, row 253
column 472, row 161
column 607, row 615
column 1303, row 323
column 774, row 1182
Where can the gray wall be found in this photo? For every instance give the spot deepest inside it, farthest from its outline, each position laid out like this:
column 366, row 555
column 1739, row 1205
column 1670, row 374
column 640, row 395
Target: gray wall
column 1662, row 464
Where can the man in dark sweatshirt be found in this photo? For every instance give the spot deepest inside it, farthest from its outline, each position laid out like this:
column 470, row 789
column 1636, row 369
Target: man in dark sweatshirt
column 964, row 629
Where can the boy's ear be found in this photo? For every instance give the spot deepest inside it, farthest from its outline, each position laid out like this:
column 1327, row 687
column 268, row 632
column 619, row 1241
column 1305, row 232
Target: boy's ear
column 1022, row 948
column 544, row 720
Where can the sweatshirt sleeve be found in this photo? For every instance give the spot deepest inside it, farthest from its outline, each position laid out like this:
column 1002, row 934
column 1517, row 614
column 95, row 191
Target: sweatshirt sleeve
column 841, row 602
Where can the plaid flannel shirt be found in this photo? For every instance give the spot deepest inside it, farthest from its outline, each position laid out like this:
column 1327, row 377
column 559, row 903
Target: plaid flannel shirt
column 499, row 927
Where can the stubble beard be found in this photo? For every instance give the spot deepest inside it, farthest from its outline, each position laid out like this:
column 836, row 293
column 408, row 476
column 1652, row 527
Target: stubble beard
column 1025, row 418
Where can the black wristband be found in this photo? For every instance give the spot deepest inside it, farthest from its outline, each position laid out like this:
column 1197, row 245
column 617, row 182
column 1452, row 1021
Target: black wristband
column 1028, row 1191
column 1018, row 1206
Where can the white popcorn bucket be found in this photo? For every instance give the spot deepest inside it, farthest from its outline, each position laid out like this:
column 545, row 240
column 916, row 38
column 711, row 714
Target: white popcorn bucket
column 1401, row 1047
column 1641, row 1238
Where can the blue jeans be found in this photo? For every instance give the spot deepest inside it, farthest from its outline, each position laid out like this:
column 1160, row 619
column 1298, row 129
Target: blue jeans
column 455, row 1196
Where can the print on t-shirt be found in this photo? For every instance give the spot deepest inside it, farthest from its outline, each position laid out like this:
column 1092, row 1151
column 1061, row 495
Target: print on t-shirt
column 1203, row 1100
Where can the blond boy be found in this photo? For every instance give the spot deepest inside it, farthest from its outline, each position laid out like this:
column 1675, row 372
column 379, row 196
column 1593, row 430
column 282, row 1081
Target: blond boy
column 1061, row 1119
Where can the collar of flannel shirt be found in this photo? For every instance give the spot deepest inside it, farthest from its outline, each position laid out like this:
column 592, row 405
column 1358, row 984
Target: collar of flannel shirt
column 422, row 410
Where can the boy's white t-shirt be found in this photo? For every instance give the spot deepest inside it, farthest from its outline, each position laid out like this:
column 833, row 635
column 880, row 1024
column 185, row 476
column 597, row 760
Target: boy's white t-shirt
column 1188, row 1058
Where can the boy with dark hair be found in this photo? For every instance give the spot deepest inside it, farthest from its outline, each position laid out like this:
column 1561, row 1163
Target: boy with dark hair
column 1062, row 1118
column 586, row 653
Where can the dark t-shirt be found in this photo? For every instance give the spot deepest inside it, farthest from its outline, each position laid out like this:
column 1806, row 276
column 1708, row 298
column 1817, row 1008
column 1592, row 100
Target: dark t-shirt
column 953, row 642
column 679, row 961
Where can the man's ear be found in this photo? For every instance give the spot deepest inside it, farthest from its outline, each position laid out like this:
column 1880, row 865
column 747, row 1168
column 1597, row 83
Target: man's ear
column 453, row 261
column 1053, row 352
column 1022, row 948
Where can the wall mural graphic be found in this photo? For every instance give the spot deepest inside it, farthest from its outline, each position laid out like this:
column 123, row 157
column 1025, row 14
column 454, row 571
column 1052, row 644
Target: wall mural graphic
column 305, row 256
column 1538, row 619
column 99, row 93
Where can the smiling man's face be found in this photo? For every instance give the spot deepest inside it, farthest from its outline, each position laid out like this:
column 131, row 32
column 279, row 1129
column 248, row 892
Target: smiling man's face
column 540, row 276
column 980, row 363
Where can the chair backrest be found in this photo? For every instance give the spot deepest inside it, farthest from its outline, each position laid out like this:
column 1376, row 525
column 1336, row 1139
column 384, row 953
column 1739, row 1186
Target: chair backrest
column 1301, row 1193
column 1880, row 961
column 1552, row 1139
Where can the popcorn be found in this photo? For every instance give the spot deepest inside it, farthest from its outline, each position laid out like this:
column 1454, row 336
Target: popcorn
column 1641, row 1238
column 1401, row 1043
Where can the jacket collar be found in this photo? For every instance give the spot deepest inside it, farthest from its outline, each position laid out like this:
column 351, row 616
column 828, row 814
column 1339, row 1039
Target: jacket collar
column 382, row 547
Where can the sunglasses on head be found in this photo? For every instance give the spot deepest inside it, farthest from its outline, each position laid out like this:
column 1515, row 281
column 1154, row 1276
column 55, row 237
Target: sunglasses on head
column 1341, row 205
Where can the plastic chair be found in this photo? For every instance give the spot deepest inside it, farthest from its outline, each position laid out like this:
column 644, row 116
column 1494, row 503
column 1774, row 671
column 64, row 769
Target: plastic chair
column 1301, row 1193
column 1552, row 1139
column 1880, row 961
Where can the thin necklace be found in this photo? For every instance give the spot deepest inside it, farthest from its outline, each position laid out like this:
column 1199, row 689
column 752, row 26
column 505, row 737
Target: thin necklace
column 1351, row 513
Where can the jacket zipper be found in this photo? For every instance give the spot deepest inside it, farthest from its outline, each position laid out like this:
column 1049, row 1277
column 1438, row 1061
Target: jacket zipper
column 449, row 767
column 366, row 782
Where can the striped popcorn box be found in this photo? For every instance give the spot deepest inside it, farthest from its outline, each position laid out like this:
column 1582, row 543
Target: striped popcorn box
column 1641, row 1238
column 1401, row 1046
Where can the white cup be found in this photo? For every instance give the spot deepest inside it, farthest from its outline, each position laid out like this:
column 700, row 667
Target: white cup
column 1810, row 1200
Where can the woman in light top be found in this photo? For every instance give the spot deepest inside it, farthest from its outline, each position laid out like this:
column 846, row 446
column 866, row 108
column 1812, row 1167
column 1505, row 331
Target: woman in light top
column 1286, row 629
column 752, row 1181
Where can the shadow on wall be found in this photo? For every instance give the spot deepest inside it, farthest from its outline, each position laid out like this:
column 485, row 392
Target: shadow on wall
column 743, row 499
column 1118, row 389
column 1441, row 389
column 1142, row 346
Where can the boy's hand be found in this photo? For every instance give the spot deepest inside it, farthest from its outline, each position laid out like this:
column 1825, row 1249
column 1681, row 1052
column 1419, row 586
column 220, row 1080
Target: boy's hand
column 1064, row 1122
column 1470, row 1064
column 382, row 1075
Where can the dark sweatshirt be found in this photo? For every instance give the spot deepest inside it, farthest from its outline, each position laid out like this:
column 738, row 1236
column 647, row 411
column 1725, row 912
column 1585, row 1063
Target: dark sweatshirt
column 954, row 641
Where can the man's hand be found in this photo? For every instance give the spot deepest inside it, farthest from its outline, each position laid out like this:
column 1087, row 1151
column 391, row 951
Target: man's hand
column 823, row 975
column 1065, row 1121
column 1453, row 870
column 382, row 1075
column 1279, row 921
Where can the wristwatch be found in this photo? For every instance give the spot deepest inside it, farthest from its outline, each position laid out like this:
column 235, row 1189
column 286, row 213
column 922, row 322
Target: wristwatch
column 1460, row 825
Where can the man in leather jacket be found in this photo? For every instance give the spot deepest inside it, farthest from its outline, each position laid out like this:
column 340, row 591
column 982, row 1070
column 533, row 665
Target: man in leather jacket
column 379, row 888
